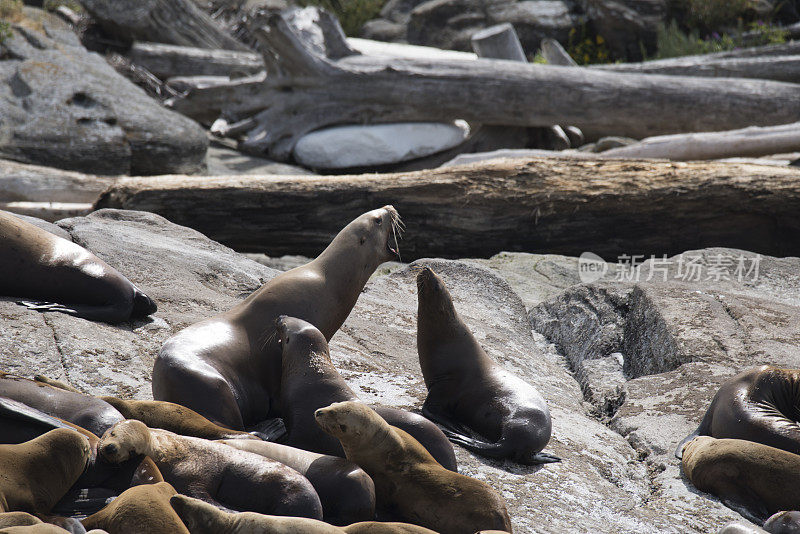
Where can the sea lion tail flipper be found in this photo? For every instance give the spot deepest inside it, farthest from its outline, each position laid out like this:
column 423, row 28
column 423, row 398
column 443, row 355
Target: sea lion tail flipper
column 46, row 306
column 56, row 383
column 543, row 458
column 269, row 429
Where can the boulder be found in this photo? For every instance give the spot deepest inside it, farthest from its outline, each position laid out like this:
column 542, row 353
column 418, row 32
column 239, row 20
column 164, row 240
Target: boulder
column 627, row 367
column 627, row 25
column 342, row 147
column 221, row 161
column 64, row 107
column 451, row 23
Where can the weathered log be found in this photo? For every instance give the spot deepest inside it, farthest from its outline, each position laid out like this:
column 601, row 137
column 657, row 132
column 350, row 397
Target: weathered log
column 168, row 61
column 555, row 54
column 320, row 81
column 547, row 205
column 779, row 68
column 498, row 42
column 178, row 22
column 746, row 142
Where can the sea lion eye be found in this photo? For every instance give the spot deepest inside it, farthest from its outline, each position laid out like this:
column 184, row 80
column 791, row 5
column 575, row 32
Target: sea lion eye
column 378, row 221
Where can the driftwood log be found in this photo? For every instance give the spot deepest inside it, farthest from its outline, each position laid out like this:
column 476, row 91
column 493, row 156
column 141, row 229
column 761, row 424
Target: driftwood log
column 168, row 61
column 747, row 142
column 315, row 80
column 546, row 205
column 178, row 22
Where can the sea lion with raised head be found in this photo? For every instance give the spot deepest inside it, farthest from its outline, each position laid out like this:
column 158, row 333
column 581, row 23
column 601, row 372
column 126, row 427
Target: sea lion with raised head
column 38, row 473
column 761, row 404
column 310, row 381
column 754, row 479
column 408, row 481
column 140, row 509
column 469, row 393
column 346, row 492
column 202, row 518
column 228, row 368
column 35, row 264
column 214, row 472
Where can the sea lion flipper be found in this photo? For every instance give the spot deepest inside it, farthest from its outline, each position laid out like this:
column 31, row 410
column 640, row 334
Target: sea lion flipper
column 46, row 306
column 687, row 439
column 543, row 458
column 269, row 429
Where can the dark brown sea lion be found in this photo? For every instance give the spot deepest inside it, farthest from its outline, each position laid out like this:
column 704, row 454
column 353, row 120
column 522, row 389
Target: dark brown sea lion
column 468, row 393
column 754, row 479
column 407, row 478
column 786, row 522
column 228, row 367
column 761, row 404
column 35, row 264
column 38, row 473
column 214, row 472
column 310, row 381
column 202, row 518
column 140, row 509
column 91, row 413
column 346, row 492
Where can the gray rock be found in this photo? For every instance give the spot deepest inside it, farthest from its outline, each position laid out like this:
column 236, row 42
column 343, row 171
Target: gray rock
column 627, row 367
column 64, row 107
column 627, row 25
column 226, row 161
column 607, row 143
column 383, row 30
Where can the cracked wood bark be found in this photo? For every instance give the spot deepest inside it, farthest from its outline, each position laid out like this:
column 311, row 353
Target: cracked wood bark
column 747, row 142
column 316, row 80
column 543, row 205
column 168, row 61
column 178, row 22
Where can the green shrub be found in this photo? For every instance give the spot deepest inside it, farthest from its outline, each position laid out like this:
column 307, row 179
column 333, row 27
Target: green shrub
column 10, row 10
column 674, row 42
column 586, row 50
column 5, row 31
column 713, row 14
column 352, row 14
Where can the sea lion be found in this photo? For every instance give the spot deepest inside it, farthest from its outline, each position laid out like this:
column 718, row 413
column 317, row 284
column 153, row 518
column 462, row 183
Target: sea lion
column 228, row 368
column 748, row 477
column 215, row 472
column 173, row 417
column 35, row 264
column 738, row 527
column 468, row 392
column 202, row 518
column 407, row 478
column 760, row 404
column 786, row 522
column 310, row 381
column 41, row 528
column 38, row 473
column 18, row 519
column 91, row 413
column 346, row 492
column 140, row 509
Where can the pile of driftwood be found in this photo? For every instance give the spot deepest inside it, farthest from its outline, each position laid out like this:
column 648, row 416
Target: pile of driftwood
column 304, row 75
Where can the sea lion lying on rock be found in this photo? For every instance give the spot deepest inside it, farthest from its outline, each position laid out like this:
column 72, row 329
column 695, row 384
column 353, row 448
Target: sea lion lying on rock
column 407, row 479
column 214, row 472
column 140, row 509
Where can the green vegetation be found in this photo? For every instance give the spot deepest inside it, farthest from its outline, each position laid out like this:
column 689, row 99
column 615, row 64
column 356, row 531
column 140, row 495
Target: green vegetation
column 52, row 5
column 674, row 42
column 10, row 11
column 586, row 50
column 709, row 15
column 352, row 14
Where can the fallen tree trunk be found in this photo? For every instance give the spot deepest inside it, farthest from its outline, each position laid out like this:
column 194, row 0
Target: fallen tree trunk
column 747, row 142
column 315, row 83
column 544, row 205
column 178, row 22
column 779, row 68
column 168, row 61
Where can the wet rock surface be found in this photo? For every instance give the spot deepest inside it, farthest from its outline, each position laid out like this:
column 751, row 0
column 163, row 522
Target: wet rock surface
column 627, row 367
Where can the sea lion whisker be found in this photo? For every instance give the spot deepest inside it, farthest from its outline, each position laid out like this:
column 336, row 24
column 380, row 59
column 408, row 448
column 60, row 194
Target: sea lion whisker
column 396, row 245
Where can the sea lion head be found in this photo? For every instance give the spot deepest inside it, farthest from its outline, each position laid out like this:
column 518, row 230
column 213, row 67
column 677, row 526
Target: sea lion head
column 124, row 440
column 352, row 422
column 785, row 522
column 297, row 336
column 376, row 233
column 433, row 296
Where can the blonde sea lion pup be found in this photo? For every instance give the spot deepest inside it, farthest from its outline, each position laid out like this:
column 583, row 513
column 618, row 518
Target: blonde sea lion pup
column 407, row 478
column 214, row 472
column 202, row 518
column 36, row 264
column 755, row 480
column 228, row 368
column 140, row 509
column 36, row 474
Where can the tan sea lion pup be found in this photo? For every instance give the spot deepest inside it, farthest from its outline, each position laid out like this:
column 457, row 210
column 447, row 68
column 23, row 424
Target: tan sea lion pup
column 140, row 509
column 468, row 391
column 407, row 478
column 760, row 404
column 228, row 368
column 38, row 473
column 755, row 480
column 202, row 518
column 214, row 472
column 36, row 264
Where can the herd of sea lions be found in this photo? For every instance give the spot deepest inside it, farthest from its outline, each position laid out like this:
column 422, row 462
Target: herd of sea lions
column 254, row 430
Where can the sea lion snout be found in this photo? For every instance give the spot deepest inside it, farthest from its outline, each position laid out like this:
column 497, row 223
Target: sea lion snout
column 110, row 449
